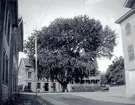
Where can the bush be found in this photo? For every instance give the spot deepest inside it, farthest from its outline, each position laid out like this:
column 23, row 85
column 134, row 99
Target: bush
column 27, row 89
column 20, row 88
column 84, row 88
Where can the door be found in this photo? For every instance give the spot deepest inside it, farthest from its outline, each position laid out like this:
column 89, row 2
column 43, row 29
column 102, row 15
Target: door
column 46, row 86
column 54, row 87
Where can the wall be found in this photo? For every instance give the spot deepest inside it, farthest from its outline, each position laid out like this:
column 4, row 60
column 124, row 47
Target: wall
column 32, row 74
column 6, row 47
column 83, row 87
column 129, row 65
column 128, row 40
column 21, row 74
column 1, row 37
column 117, row 89
column 4, row 92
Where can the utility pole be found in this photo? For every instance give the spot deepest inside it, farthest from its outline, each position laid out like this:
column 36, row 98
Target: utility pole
column 36, row 77
column 36, row 73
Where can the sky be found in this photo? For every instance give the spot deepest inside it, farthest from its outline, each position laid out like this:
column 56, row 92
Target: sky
column 39, row 13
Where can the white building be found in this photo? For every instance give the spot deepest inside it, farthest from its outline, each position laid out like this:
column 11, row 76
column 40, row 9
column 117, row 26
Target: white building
column 27, row 80
column 127, row 23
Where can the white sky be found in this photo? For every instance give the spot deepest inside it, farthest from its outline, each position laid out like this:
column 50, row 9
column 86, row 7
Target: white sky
column 107, row 11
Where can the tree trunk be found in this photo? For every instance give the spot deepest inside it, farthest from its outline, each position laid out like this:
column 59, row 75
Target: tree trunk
column 64, row 87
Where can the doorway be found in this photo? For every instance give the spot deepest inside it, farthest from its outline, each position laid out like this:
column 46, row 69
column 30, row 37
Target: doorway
column 54, row 87
column 46, row 87
column 29, row 85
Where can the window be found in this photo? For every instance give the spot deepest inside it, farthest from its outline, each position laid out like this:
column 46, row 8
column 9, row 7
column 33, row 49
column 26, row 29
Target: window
column 3, row 77
column 128, row 29
column 8, row 31
column 6, row 69
column 7, row 24
column 14, row 79
column 27, row 68
column 38, row 85
column 29, row 74
column 130, row 53
column 6, row 19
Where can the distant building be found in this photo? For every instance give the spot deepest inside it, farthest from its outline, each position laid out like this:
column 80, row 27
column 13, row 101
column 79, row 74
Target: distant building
column 27, row 80
column 92, row 83
column 11, row 42
column 127, row 23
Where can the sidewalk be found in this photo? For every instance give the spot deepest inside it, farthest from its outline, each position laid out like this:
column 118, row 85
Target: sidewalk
column 28, row 100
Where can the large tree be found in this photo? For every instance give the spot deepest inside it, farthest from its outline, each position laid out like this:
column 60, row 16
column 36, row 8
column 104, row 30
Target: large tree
column 116, row 73
column 69, row 47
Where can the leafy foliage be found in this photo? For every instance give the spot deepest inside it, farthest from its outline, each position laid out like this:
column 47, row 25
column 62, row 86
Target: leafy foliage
column 103, row 78
column 115, row 72
column 69, row 47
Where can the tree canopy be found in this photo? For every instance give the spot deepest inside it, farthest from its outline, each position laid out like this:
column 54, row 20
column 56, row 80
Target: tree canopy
column 103, row 78
column 115, row 73
column 69, row 47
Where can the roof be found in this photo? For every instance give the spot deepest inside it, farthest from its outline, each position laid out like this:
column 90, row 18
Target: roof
column 26, row 62
column 14, row 8
column 125, row 16
column 129, row 3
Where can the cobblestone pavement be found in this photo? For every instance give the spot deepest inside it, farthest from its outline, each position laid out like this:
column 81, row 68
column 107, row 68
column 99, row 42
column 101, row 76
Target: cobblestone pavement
column 68, row 99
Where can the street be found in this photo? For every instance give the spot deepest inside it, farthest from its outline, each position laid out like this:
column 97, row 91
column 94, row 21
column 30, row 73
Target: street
column 69, row 99
column 67, row 52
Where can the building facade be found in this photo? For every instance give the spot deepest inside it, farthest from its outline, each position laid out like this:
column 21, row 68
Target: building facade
column 27, row 80
column 127, row 23
column 11, row 42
